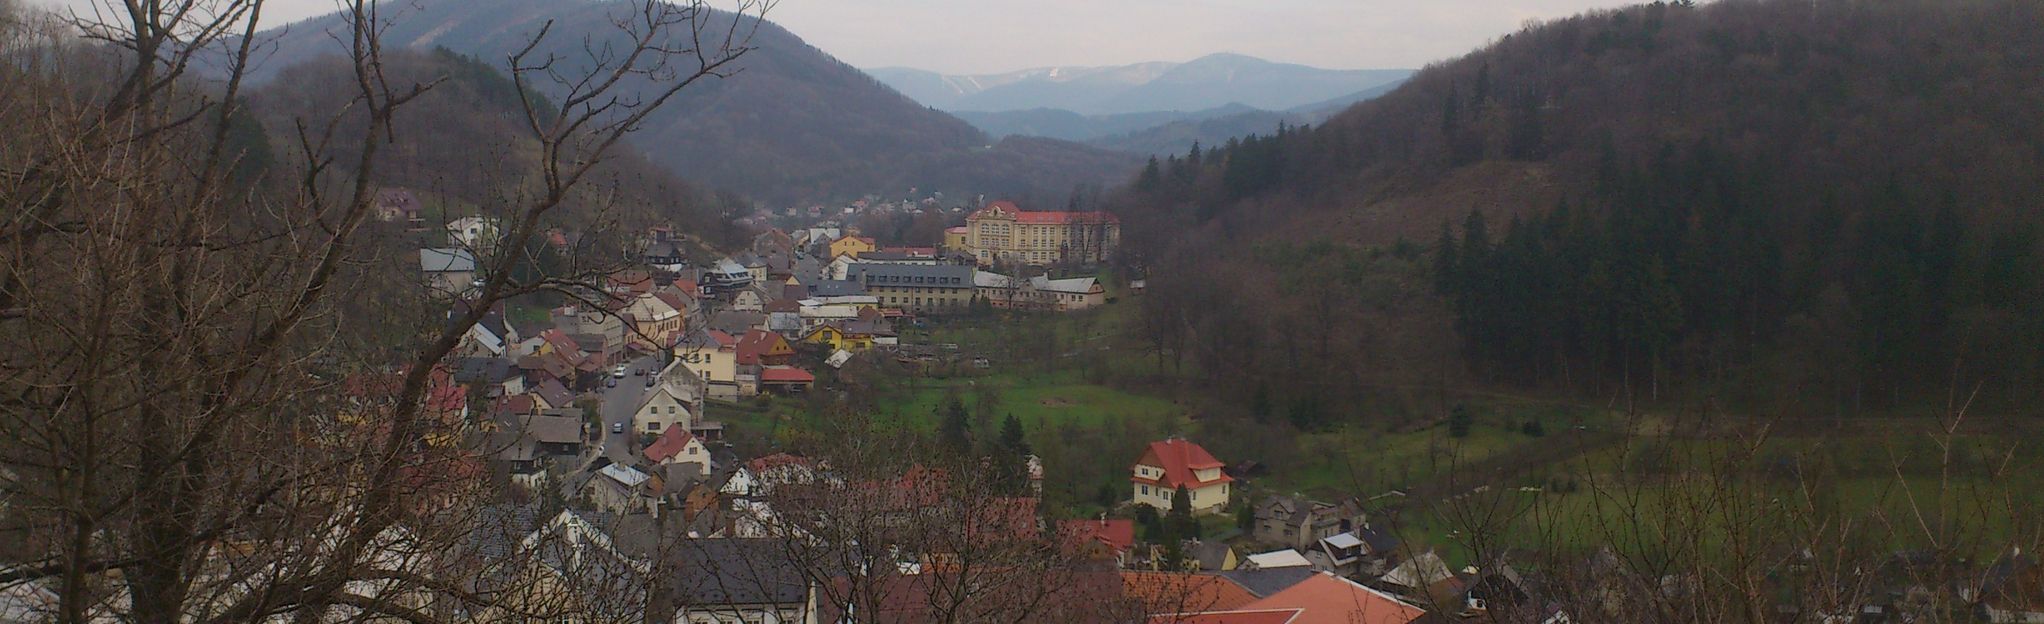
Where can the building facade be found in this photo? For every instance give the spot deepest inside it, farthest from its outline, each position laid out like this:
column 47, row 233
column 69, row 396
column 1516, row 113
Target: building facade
column 1170, row 464
column 1039, row 293
column 1004, row 232
column 916, row 288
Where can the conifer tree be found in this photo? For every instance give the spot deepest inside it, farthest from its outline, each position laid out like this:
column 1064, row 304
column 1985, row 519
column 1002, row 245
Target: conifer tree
column 956, row 429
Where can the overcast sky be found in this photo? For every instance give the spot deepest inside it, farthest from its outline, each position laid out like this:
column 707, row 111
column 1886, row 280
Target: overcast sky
column 988, row 36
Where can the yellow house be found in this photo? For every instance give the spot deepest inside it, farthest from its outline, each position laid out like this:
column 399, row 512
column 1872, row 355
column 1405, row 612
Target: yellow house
column 1174, row 463
column 713, row 356
column 839, row 338
column 852, row 246
column 954, row 239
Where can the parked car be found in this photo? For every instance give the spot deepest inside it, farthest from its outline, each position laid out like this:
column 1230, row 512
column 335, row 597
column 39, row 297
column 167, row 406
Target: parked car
column 618, row 373
column 610, row 383
column 638, row 372
column 617, row 427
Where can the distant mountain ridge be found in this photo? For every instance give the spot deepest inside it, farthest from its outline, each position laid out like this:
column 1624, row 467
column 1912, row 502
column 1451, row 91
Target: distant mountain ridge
column 793, row 125
column 1208, row 82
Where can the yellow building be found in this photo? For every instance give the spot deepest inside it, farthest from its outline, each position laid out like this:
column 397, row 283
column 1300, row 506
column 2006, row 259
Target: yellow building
column 852, row 246
column 954, row 239
column 1175, row 463
column 1002, row 231
column 838, row 338
column 917, row 288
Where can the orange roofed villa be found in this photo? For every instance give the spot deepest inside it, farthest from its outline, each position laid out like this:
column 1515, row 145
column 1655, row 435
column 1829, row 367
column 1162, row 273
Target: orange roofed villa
column 1005, row 232
column 1178, row 462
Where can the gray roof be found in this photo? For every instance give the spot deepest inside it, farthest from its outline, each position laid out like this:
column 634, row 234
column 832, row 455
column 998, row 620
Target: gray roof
column 1263, row 583
column 714, row 572
column 484, row 369
column 446, row 260
column 513, row 447
column 945, row 274
column 1211, row 554
column 836, row 288
column 552, row 429
column 696, row 338
column 734, row 322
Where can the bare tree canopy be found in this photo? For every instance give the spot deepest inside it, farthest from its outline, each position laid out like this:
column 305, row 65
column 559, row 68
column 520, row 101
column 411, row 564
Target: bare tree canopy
column 183, row 434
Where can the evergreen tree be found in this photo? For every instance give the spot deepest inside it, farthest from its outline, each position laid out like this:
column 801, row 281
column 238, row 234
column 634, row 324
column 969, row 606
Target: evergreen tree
column 1152, row 176
column 1011, row 436
column 1173, row 559
column 1180, row 523
column 1459, row 422
column 1447, row 261
column 1153, row 526
column 956, row 428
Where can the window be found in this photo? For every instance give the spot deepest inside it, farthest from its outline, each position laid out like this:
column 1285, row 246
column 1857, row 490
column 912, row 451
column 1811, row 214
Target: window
column 652, row 425
column 1146, row 490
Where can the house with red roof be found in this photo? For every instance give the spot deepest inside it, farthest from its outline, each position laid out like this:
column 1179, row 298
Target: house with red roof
column 784, row 379
column 1110, row 537
column 759, row 347
column 677, row 445
column 1170, row 464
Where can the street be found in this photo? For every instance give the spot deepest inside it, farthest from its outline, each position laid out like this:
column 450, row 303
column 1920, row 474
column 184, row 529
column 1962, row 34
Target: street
column 618, row 405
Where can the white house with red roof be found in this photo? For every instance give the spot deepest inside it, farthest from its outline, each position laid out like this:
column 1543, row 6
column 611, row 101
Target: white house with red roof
column 1170, row 464
column 677, row 445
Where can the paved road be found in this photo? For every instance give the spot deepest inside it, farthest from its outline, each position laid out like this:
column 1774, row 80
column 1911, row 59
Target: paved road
column 618, row 405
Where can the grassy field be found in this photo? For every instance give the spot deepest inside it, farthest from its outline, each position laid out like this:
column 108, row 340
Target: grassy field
column 1038, row 400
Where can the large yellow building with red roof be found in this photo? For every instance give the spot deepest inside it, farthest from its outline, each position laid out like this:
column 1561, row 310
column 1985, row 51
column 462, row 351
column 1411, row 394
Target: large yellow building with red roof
column 1003, row 231
column 1169, row 464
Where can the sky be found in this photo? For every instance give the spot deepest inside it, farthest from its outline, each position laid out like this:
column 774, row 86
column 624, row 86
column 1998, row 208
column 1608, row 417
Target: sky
column 992, row 36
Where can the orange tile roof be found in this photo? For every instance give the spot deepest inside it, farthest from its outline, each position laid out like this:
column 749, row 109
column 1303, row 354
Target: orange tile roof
column 1328, row 599
column 1261, row 616
column 1176, row 592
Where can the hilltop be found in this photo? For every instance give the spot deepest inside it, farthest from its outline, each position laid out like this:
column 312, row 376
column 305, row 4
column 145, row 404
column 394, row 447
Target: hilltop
column 791, row 124
column 1655, row 202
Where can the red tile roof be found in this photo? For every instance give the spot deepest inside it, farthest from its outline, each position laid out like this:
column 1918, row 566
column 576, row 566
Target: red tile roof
column 1180, row 459
column 670, row 444
column 1118, row 534
column 1047, row 216
column 785, row 374
column 759, row 343
column 1328, row 599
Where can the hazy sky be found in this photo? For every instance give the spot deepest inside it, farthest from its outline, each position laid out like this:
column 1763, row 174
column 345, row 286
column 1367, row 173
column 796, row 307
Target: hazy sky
column 986, row 36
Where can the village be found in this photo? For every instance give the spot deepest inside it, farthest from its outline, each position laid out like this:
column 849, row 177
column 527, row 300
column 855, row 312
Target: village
column 605, row 409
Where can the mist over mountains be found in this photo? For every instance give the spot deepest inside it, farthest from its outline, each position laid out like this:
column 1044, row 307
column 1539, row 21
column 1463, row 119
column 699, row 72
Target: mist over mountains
column 1208, row 82
column 791, row 125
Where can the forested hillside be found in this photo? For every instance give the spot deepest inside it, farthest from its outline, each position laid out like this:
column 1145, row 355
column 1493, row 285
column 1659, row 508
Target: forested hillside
column 1816, row 208
column 457, row 141
column 789, row 124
